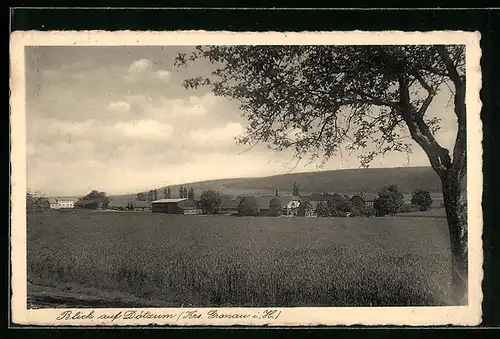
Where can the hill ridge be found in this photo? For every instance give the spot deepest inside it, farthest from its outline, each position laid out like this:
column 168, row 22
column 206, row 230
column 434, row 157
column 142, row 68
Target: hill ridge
column 342, row 181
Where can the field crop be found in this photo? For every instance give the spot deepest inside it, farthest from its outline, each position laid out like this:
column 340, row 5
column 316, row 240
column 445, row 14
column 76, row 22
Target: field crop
column 232, row 261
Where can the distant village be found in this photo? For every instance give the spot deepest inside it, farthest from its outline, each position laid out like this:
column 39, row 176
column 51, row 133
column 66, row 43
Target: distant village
column 388, row 201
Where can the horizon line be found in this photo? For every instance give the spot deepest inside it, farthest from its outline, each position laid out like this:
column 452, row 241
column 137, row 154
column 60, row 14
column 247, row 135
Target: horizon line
column 233, row 178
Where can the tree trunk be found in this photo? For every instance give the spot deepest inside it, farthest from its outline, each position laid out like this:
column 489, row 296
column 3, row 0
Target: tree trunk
column 455, row 204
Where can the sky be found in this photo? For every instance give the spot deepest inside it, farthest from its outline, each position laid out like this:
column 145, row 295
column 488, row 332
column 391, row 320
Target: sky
column 117, row 119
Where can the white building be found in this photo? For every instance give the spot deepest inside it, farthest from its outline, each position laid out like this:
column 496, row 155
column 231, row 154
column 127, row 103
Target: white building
column 58, row 203
column 292, row 207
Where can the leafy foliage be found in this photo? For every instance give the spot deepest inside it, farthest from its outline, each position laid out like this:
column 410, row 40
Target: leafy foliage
column 410, row 208
column 295, row 190
column 389, row 201
column 314, row 99
column 275, row 208
column 190, row 193
column 248, row 206
column 421, row 198
column 36, row 202
column 141, row 196
column 339, row 205
column 210, row 202
column 94, row 200
column 305, row 208
column 322, row 209
column 369, row 211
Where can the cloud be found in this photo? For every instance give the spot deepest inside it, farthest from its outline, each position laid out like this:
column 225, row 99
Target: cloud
column 144, row 130
column 54, row 128
column 194, row 106
column 139, row 66
column 119, row 106
column 162, row 75
column 218, row 135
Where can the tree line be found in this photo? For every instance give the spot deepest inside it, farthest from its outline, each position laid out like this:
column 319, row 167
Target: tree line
column 153, row 195
column 389, row 201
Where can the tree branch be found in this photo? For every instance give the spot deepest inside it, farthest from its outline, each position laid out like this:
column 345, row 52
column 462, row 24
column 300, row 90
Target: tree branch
column 419, row 131
column 459, row 150
column 376, row 101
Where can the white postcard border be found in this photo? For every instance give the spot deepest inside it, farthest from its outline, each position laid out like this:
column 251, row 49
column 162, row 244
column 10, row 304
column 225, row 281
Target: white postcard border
column 464, row 315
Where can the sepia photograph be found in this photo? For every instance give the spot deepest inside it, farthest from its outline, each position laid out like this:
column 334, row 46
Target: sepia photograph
column 246, row 178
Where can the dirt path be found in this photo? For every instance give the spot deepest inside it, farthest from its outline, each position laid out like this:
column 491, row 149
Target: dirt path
column 74, row 296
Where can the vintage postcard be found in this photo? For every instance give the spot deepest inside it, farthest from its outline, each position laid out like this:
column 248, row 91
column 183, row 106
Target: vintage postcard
column 220, row 178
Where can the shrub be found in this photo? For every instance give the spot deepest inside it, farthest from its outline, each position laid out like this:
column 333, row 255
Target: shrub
column 305, row 208
column 275, row 208
column 94, row 200
column 421, row 198
column 248, row 206
column 408, row 208
column 322, row 210
column 389, row 201
column 339, row 205
column 369, row 211
column 210, row 202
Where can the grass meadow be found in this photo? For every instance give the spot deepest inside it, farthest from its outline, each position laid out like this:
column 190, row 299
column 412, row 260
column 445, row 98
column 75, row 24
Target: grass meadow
column 199, row 261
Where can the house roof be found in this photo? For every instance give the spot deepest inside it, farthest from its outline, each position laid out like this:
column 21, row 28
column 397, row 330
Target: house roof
column 55, row 200
column 366, row 196
column 293, row 204
column 187, row 203
column 263, row 202
column 166, row 201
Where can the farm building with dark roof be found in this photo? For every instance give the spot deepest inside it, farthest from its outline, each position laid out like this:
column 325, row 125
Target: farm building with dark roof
column 263, row 202
column 175, row 206
column 363, row 200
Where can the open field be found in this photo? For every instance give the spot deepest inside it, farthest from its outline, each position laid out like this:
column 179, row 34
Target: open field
column 174, row 260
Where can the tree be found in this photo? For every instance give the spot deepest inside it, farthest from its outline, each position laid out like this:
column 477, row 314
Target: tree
column 181, row 191
column 314, row 99
column 339, row 205
column 305, row 208
column 421, row 198
column 94, row 200
column 322, row 210
column 33, row 202
column 248, row 206
column 155, row 194
column 295, row 190
column 275, row 208
column 141, row 197
column 185, row 192
column 190, row 194
column 168, row 195
column 389, row 201
column 210, row 202
column 151, row 195
column 277, row 192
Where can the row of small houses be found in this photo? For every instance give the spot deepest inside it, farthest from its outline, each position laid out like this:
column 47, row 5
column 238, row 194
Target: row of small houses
column 290, row 204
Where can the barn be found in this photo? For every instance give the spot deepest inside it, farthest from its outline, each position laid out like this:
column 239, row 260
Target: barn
column 175, row 206
column 363, row 200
